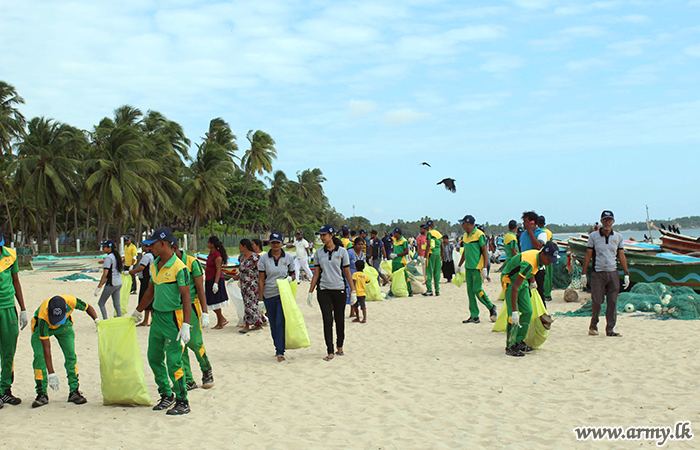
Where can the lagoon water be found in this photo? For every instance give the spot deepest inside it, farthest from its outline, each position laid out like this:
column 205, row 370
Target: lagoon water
column 637, row 235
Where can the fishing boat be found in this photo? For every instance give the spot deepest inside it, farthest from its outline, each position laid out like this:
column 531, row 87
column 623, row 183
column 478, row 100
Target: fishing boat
column 670, row 273
column 64, row 263
column 678, row 243
column 578, row 247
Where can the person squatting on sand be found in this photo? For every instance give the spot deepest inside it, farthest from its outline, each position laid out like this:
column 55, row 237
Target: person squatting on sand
column 474, row 259
column 272, row 266
column 332, row 265
column 515, row 275
column 169, row 290
column 10, row 288
column 111, row 279
column 53, row 318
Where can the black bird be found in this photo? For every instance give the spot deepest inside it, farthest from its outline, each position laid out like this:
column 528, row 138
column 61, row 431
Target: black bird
column 646, row 238
column 449, row 184
column 662, row 226
column 425, row 164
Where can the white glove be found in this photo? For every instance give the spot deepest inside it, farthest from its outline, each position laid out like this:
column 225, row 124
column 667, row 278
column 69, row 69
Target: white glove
column 215, row 288
column 23, row 319
column 53, row 381
column 484, row 273
column 136, row 314
column 97, row 320
column 392, row 256
column 184, row 334
column 626, row 282
column 97, row 291
column 584, row 280
column 205, row 320
column 353, row 297
column 515, row 318
column 310, row 298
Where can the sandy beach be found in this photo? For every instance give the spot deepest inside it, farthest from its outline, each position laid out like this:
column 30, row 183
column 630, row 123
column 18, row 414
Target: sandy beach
column 413, row 376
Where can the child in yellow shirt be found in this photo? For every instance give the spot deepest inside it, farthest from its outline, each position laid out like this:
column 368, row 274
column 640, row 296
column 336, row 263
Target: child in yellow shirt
column 360, row 279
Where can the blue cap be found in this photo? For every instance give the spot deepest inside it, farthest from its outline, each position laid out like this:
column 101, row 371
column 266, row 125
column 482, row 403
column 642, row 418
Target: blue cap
column 161, row 234
column 607, row 215
column 127, row 238
column 512, row 224
column 429, row 223
column 424, row 226
column 300, row 232
column 344, row 228
column 362, row 230
column 108, row 243
column 397, row 230
column 276, row 236
column 57, row 310
column 327, row 228
column 552, row 251
column 467, row 219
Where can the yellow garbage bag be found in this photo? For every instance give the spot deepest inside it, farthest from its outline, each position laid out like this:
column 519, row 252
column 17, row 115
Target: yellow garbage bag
column 124, row 293
column 374, row 294
column 417, row 286
column 458, row 279
column 537, row 333
column 295, row 333
column 121, row 364
column 398, row 283
column 501, row 320
column 386, row 265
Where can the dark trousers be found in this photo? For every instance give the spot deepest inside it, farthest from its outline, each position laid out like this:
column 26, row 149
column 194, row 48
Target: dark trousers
column 275, row 314
column 332, row 305
column 539, row 278
column 605, row 286
column 376, row 262
column 448, row 270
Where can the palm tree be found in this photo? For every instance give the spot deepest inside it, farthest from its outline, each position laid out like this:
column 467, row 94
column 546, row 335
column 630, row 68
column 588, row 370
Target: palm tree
column 279, row 189
column 309, row 186
column 12, row 122
column 257, row 160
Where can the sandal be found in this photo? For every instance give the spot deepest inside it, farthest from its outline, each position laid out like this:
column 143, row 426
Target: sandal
column 328, row 358
column 280, row 358
column 340, row 353
column 613, row 334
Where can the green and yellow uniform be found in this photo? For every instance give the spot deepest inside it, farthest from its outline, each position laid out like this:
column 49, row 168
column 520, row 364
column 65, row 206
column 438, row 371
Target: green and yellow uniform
column 196, row 343
column 433, row 260
column 347, row 243
column 167, row 320
column 9, row 326
column 548, row 271
column 401, row 245
column 524, row 265
column 42, row 330
column 473, row 263
column 510, row 243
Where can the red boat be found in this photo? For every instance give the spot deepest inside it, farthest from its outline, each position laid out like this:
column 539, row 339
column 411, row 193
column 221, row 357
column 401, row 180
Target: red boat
column 678, row 243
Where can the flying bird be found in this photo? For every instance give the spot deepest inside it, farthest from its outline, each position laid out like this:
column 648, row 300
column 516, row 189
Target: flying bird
column 425, row 164
column 449, row 184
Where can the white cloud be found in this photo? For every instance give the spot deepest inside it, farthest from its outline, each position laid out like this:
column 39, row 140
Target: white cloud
column 582, row 9
column 358, row 108
column 635, row 18
column 585, row 64
column 446, row 43
column 532, row 4
column 585, row 31
column 403, row 116
column 502, row 63
column 693, row 50
column 480, row 102
column 638, row 76
column 633, row 47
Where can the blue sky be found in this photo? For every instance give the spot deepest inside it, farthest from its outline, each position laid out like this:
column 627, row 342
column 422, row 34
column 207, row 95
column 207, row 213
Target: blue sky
column 564, row 107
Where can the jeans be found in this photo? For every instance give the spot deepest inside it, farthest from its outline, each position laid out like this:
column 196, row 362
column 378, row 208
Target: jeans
column 275, row 314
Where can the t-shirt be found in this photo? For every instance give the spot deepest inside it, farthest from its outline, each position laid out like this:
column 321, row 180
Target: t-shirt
column 605, row 250
column 8, row 266
column 331, row 263
column 388, row 244
column 114, row 278
column 526, row 243
column 130, row 255
column 400, row 245
column 447, row 250
column 353, row 257
column 41, row 322
column 210, row 270
column 510, row 243
column 360, row 279
column 167, row 282
column 523, row 264
column 434, row 240
column 422, row 243
column 301, row 248
column 275, row 269
column 195, row 269
column 346, row 242
column 473, row 258
column 146, row 260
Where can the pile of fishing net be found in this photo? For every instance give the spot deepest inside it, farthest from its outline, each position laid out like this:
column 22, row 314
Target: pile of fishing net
column 561, row 277
column 76, row 277
column 665, row 302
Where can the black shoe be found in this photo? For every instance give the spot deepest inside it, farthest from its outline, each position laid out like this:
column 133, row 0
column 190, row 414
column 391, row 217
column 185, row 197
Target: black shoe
column 427, row 294
column 77, row 397
column 494, row 313
column 513, row 351
column 472, row 320
column 165, row 402
column 547, row 299
column 40, row 400
column 10, row 399
column 410, row 295
column 523, row 347
column 437, row 294
column 208, row 379
column 181, row 407
column 191, row 385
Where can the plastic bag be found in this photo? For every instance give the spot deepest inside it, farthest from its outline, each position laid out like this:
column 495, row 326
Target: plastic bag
column 234, row 293
column 374, row 294
column 295, row 333
column 124, row 293
column 386, row 265
column 458, row 279
column 417, row 286
column 121, row 364
column 502, row 319
column 398, row 283
column 537, row 333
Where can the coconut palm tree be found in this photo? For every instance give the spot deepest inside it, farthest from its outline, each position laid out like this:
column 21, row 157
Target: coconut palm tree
column 12, row 122
column 278, row 192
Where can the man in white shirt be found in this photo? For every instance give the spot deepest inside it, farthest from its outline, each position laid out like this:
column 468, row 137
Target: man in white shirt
column 303, row 251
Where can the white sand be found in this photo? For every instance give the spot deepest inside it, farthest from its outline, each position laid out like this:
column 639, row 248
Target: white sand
column 414, row 376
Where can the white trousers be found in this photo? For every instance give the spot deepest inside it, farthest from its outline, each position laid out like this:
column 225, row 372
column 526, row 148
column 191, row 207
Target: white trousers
column 302, row 263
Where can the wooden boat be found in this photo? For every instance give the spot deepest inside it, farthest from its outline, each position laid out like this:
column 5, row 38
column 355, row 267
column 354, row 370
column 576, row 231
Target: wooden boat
column 64, row 263
column 673, row 274
column 678, row 243
column 578, row 248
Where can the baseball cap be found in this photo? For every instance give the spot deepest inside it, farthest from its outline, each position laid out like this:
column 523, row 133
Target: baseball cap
column 127, row 238
column 607, row 215
column 300, row 232
column 108, row 243
column 429, row 223
column 424, row 226
column 467, row 219
column 373, row 232
column 541, row 220
column 327, row 228
column 520, row 230
column 276, row 236
column 512, row 224
column 397, row 230
column 552, row 251
column 344, row 228
column 57, row 310
column 362, row 230
column 161, row 234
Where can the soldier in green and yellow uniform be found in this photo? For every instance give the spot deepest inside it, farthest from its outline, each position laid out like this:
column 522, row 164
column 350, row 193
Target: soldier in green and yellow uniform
column 170, row 330
column 53, row 318
column 474, row 258
column 199, row 310
column 519, row 269
column 433, row 258
column 398, row 256
column 10, row 288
